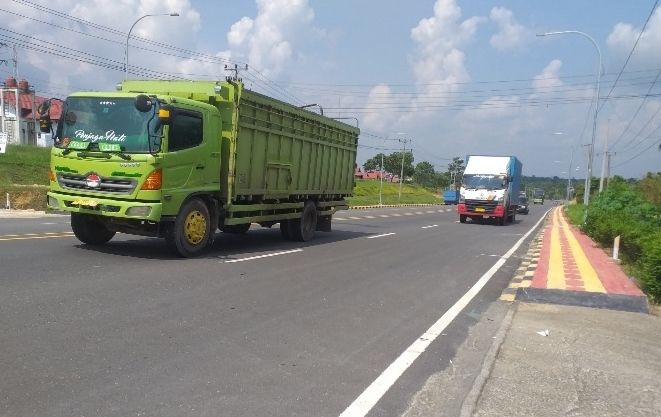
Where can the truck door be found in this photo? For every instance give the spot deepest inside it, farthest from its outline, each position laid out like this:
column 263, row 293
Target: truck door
column 188, row 158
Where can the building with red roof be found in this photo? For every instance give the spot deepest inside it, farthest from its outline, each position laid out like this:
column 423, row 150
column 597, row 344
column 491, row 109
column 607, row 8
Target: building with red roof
column 20, row 121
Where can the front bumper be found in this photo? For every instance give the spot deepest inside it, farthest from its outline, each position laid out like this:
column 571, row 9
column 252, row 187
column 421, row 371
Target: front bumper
column 475, row 210
column 125, row 209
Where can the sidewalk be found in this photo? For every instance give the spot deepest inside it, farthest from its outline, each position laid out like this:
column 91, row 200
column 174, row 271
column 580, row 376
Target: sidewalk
column 577, row 343
column 26, row 214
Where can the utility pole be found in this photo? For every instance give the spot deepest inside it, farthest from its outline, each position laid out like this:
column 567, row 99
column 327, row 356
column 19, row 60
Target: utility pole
column 381, row 186
column 571, row 161
column 401, row 174
column 603, row 161
column 236, row 70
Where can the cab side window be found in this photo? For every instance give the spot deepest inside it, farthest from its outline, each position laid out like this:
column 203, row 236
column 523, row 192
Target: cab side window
column 185, row 131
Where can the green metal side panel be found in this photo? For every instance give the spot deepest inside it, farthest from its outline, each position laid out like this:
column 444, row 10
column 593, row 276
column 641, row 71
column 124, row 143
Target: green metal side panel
column 282, row 150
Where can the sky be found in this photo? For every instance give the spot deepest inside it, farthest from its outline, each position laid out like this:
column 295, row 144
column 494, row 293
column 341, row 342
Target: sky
column 444, row 78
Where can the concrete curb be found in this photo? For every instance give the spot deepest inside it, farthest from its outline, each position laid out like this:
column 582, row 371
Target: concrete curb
column 470, row 402
column 17, row 214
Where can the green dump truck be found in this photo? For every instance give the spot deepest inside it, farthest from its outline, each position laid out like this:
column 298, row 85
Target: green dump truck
column 181, row 159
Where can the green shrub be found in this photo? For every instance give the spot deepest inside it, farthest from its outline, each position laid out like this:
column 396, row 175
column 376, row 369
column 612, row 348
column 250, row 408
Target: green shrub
column 623, row 211
column 648, row 267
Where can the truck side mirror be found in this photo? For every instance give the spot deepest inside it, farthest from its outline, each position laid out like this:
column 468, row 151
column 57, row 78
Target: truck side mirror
column 143, row 103
column 45, row 124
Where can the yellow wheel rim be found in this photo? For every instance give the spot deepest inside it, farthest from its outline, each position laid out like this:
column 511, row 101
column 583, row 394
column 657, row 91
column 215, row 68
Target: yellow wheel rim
column 195, row 227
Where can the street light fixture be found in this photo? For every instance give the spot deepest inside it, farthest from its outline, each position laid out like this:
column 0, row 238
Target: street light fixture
column 126, row 52
column 588, row 179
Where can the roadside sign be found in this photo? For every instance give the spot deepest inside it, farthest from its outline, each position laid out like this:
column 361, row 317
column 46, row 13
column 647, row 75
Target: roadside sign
column 3, row 142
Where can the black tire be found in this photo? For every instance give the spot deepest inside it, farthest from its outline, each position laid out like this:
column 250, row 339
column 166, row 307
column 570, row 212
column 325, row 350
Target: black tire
column 284, row 230
column 462, row 218
column 236, row 229
column 303, row 229
column 190, row 233
column 90, row 230
column 500, row 221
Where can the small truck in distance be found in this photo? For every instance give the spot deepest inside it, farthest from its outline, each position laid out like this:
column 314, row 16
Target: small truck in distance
column 490, row 188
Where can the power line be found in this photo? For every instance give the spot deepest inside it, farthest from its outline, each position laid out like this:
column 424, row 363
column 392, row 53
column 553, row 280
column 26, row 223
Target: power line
column 630, row 54
column 658, row 141
column 642, row 103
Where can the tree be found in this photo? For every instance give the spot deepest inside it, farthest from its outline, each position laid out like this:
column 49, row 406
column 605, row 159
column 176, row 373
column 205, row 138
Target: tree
column 424, row 174
column 456, row 170
column 374, row 163
column 393, row 163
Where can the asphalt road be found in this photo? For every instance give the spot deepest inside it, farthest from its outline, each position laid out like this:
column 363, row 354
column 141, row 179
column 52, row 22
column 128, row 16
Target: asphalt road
column 258, row 326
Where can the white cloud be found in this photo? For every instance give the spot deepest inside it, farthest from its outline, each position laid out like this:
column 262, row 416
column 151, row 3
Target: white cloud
column 548, row 79
column 267, row 42
column 624, row 35
column 438, row 62
column 438, row 40
column 511, row 34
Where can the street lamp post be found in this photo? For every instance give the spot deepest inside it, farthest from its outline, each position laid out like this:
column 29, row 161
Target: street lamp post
column 588, row 179
column 126, row 51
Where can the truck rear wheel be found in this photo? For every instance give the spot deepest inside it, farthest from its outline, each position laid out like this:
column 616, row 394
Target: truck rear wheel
column 88, row 229
column 190, row 232
column 285, row 229
column 462, row 218
column 303, row 229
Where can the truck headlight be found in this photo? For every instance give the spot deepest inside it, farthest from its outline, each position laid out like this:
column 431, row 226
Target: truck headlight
column 140, row 211
column 52, row 202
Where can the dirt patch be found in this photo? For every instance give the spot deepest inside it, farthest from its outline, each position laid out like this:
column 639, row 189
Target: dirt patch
column 25, row 198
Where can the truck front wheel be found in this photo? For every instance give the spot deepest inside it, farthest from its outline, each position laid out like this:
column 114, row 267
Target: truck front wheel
column 89, row 229
column 190, row 232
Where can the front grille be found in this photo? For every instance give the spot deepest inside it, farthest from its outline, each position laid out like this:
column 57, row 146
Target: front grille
column 107, row 185
column 488, row 206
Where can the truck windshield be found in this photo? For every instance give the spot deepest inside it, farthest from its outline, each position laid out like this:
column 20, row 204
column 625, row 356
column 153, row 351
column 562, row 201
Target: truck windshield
column 484, row 182
column 116, row 121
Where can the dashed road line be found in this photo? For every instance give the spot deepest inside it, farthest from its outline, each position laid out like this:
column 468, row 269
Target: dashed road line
column 381, row 235
column 268, row 255
column 29, row 236
column 429, row 227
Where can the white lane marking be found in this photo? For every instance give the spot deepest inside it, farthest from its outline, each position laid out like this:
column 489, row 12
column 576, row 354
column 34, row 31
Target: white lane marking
column 429, row 227
column 339, row 218
column 231, row 261
column 384, row 215
column 448, row 210
column 48, row 223
column 430, row 211
column 373, row 393
column 397, row 215
column 385, row 234
column 419, row 212
column 409, row 214
column 440, row 211
column 370, row 217
column 354, row 218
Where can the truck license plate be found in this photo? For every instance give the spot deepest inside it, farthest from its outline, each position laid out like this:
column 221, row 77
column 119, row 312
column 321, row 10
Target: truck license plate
column 480, row 209
column 84, row 203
